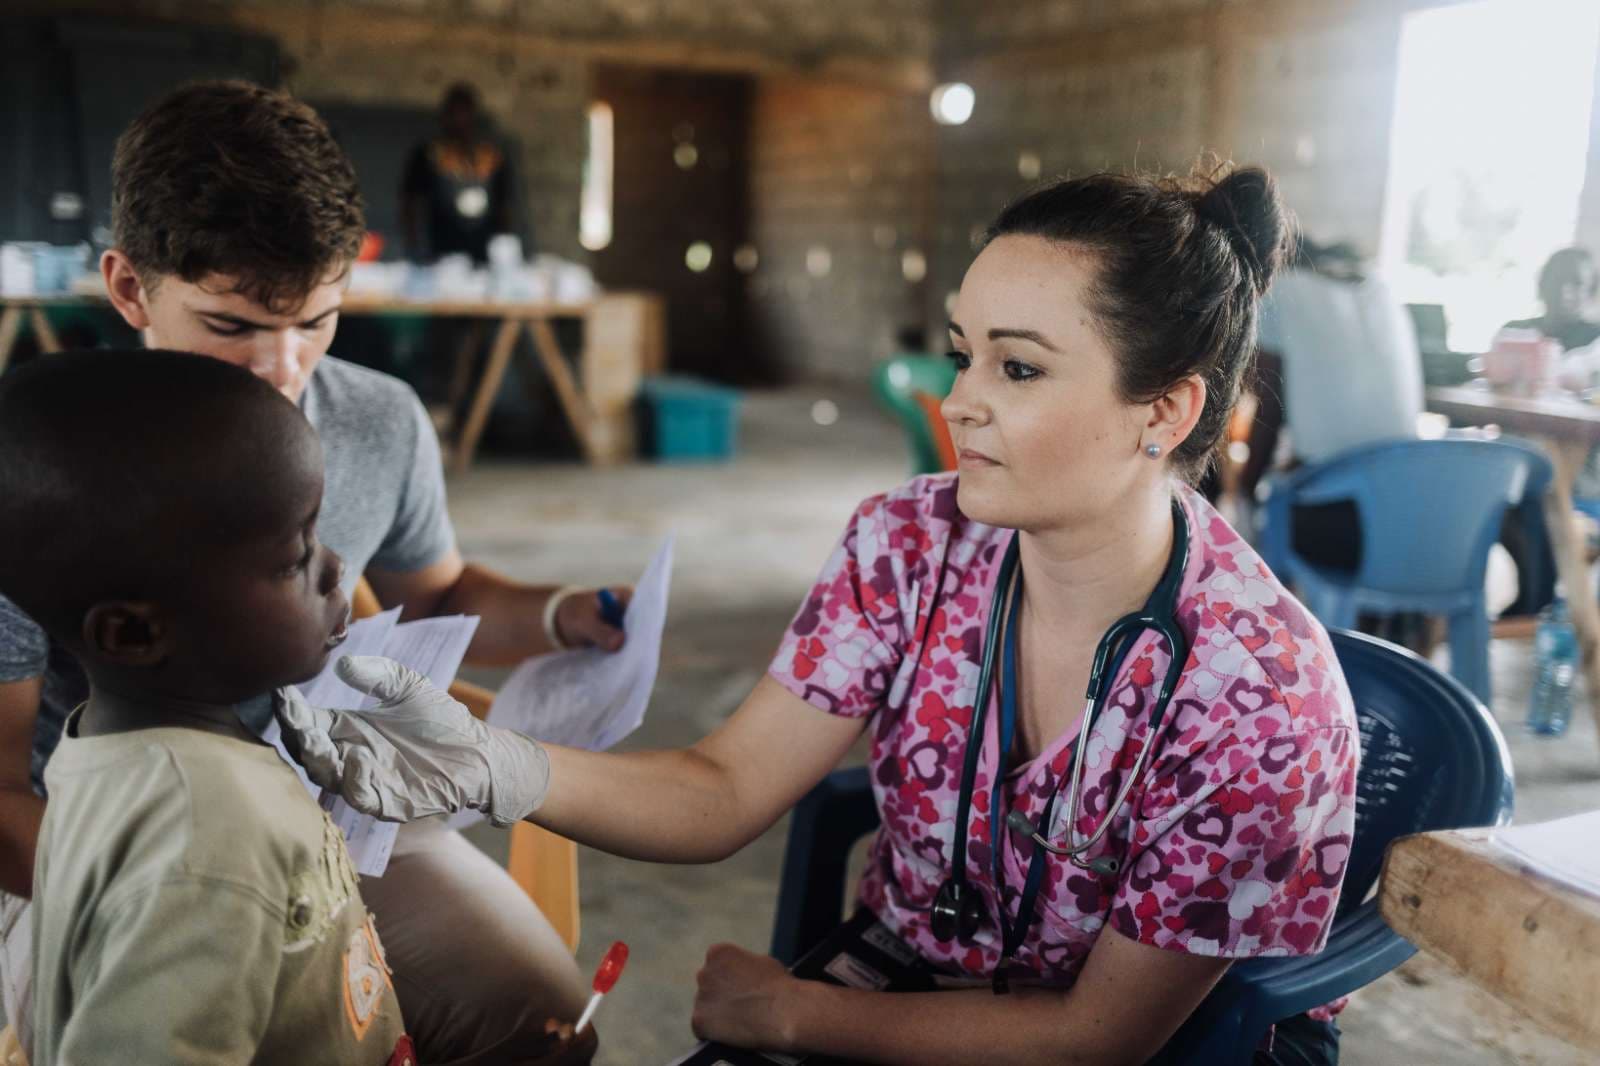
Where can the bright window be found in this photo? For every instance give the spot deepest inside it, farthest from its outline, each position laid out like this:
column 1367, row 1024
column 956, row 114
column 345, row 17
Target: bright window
column 594, row 209
column 1487, row 155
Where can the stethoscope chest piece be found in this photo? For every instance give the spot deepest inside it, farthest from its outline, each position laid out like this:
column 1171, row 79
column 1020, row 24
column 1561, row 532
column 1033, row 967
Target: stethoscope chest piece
column 957, row 911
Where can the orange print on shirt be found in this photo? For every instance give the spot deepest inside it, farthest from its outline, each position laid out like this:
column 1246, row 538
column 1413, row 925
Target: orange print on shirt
column 366, row 978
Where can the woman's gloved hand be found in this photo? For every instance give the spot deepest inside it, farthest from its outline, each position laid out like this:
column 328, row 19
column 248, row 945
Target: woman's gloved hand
column 418, row 752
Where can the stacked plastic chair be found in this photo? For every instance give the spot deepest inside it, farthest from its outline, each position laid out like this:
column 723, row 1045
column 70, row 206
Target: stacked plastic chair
column 901, row 383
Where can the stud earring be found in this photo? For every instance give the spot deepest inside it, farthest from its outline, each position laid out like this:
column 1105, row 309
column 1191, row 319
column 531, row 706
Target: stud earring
column 1153, row 450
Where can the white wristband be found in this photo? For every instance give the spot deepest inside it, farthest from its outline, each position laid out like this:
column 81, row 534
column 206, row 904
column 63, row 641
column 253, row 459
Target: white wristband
column 552, row 632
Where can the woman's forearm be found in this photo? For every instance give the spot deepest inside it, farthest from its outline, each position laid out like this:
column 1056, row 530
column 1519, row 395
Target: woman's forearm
column 703, row 803
column 658, row 806
column 1127, row 1001
column 976, row 1027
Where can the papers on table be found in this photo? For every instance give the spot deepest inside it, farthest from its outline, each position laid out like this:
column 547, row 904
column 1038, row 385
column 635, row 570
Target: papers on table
column 1563, row 849
column 434, row 648
column 589, row 698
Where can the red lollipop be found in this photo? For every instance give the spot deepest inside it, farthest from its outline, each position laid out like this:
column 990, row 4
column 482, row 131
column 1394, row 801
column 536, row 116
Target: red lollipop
column 604, row 978
column 611, row 967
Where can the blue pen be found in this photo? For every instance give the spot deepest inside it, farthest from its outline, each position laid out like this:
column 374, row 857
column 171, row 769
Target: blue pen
column 610, row 609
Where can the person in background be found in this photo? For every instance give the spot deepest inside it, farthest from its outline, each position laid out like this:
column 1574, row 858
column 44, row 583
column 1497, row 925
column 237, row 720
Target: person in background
column 457, row 188
column 1338, row 365
column 1567, row 284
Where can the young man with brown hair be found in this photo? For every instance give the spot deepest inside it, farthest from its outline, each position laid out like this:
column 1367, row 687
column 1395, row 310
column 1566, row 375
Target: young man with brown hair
column 236, row 218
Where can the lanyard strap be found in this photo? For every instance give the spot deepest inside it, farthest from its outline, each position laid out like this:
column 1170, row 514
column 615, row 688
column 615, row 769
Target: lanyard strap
column 1012, row 933
column 980, row 709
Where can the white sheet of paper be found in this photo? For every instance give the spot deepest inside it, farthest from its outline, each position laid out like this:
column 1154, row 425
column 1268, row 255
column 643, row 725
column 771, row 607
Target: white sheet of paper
column 434, row 648
column 1563, row 849
column 589, row 698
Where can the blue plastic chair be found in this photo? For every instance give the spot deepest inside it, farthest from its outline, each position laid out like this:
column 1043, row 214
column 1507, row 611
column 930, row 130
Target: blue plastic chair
column 1429, row 512
column 1431, row 758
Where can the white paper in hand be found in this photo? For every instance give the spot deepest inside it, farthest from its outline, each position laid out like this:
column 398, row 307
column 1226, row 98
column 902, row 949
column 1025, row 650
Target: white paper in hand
column 434, row 648
column 589, row 698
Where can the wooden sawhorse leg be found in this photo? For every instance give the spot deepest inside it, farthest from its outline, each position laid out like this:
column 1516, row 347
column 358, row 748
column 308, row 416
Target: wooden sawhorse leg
column 494, row 372
column 10, row 328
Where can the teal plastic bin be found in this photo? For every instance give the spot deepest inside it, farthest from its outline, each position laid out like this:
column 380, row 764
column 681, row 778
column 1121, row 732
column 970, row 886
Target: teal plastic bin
column 688, row 420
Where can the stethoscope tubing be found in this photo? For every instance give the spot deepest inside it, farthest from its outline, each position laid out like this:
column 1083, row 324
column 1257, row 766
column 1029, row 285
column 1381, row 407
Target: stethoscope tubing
column 1128, row 628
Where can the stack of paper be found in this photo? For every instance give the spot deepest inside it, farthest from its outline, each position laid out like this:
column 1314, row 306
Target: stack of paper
column 434, row 648
column 1563, row 849
column 588, row 698
column 580, row 699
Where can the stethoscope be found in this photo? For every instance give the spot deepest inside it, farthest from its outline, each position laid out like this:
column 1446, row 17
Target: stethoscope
column 958, row 909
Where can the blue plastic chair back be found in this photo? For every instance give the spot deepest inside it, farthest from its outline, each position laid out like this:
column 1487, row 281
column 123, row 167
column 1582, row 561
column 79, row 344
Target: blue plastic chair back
column 1431, row 758
column 1429, row 511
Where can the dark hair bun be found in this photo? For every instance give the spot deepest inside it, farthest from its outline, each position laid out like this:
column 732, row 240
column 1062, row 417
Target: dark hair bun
column 1246, row 206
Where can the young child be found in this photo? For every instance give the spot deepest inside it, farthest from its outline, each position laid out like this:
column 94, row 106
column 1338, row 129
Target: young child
column 192, row 904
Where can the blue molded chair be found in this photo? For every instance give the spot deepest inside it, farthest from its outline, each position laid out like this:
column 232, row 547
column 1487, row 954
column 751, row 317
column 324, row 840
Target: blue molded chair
column 1429, row 512
column 897, row 382
column 1431, row 758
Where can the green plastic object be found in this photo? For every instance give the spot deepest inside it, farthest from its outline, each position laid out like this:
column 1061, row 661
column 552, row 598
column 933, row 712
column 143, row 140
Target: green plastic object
column 897, row 381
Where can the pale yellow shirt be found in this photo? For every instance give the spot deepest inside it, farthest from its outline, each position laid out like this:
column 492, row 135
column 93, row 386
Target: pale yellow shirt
column 192, row 904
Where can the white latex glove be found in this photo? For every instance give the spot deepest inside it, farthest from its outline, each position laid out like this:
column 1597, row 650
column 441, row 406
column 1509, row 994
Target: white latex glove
column 418, row 752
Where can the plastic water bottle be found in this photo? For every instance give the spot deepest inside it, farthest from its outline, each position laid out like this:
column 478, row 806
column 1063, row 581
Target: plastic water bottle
column 1555, row 666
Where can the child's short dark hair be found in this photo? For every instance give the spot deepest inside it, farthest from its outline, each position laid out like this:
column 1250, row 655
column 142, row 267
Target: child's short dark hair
column 123, row 469
column 229, row 178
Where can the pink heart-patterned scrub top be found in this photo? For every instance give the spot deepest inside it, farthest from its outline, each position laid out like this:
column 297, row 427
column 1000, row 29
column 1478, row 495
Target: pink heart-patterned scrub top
column 1241, row 826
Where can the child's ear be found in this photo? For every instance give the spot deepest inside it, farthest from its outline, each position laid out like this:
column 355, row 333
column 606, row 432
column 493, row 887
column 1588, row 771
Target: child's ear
column 127, row 633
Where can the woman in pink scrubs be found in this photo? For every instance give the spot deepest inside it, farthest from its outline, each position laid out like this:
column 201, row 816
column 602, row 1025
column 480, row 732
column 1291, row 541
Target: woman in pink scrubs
column 1100, row 338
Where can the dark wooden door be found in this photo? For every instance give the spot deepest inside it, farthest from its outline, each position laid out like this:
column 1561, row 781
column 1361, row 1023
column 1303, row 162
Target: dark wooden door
column 680, row 182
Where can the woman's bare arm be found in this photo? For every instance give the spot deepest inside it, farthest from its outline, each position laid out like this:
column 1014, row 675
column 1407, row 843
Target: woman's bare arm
column 704, row 802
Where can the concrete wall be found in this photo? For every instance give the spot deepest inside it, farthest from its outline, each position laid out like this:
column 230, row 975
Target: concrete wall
column 841, row 196
column 1304, row 87
column 844, row 157
column 531, row 60
column 840, row 140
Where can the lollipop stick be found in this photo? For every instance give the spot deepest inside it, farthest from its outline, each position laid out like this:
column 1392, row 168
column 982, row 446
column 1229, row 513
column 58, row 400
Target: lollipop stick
column 588, row 1012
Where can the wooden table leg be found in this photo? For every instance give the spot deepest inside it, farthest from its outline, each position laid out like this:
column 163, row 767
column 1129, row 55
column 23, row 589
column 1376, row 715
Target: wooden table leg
column 494, row 372
column 573, row 402
column 10, row 326
column 1567, row 541
column 461, row 372
column 49, row 343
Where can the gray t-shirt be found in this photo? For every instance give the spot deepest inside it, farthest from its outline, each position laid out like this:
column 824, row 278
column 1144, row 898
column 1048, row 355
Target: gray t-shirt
column 383, row 505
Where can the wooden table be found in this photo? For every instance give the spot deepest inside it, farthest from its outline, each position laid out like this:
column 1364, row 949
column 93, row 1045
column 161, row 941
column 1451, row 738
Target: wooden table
column 1515, row 909
column 1568, row 429
column 623, row 341
column 14, row 310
